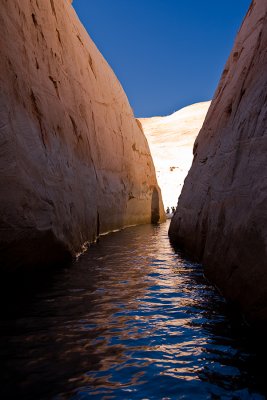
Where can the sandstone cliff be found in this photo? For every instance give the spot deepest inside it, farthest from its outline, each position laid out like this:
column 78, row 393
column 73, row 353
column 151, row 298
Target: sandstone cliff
column 222, row 212
column 74, row 162
column 171, row 140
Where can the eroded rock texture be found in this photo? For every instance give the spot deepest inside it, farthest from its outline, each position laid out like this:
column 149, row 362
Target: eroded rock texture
column 171, row 141
column 222, row 212
column 74, row 163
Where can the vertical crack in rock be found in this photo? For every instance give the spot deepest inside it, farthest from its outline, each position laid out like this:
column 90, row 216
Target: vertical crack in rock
column 155, row 210
column 55, row 84
column 38, row 114
column 91, row 65
column 53, row 8
column 97, row 225
column 59, row 37
column 34, row 20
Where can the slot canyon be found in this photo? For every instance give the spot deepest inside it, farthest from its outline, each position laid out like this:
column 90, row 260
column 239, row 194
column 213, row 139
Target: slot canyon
column 104, row 294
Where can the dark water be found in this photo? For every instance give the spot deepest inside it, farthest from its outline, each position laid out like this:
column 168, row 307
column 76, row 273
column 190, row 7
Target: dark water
column 131, row 319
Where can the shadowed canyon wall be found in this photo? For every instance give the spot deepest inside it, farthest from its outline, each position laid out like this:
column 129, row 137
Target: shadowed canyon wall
column 74, row 162
column 222, row 212
column 171, row 140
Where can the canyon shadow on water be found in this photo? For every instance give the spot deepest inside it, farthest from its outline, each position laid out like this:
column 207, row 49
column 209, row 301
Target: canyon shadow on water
column 131, row 319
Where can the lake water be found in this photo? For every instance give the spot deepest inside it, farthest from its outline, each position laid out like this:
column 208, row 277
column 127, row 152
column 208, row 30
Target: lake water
column 131, row 319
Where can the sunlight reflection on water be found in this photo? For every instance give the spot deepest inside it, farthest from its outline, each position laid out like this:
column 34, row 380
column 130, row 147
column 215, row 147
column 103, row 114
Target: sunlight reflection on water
column 131, row 319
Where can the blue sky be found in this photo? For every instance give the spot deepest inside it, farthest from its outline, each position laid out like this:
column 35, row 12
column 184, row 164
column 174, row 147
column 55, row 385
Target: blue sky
column 166, row 53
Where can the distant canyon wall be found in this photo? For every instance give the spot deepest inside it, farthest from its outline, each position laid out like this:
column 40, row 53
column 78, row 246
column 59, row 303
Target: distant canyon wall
column 171, row 141
column 222, row 212
column 74, row 163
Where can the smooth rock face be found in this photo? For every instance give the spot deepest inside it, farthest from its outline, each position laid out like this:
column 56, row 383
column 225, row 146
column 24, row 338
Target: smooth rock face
column 222, row 212
column 74, row 162
column 171, row 140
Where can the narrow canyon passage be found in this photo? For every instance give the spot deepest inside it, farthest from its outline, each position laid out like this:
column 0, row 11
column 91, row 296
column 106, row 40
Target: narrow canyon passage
column 132, row 319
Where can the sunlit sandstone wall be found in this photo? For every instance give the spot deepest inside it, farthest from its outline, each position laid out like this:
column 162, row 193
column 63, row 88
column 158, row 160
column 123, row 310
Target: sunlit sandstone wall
column 222, row 212
column 171, row 140
column 74, row 163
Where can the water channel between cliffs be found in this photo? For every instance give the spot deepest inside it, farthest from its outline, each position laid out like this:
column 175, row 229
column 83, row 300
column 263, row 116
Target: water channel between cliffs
column 132, row 319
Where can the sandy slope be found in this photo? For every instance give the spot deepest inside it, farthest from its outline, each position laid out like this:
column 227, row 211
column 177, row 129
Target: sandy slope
column 171, row 140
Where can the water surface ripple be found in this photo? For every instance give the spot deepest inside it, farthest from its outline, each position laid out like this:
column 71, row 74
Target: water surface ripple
column 131, row 319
